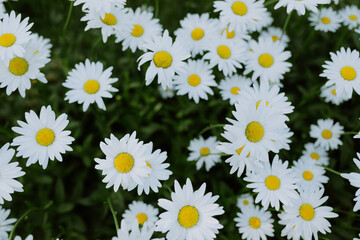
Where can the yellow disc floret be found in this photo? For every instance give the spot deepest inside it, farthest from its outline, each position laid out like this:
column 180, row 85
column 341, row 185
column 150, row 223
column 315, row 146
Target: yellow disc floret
column 124, row 162
column 254, row 132
column 45, row 137
column 275, row 38
column 224, row 51
column 315, row 156
column 137, row 31
column 307, row 212
column 327, row 134
column 197, row 34
column 266, row 60
column 162, row 59
column 109, row 19
column 18, row 66
column 353, row 17
column 230, row 35
column 246, row 202
column 272, row 182
column 239, row 8
column 142, row 218
column 325, row 20
column 204, row 151
column 254, row 222
column 91, row 86
column 235, row 90
column 7, row 40
column 348, row 73
column 307, row 175
column 188, row 216
column 194, row 80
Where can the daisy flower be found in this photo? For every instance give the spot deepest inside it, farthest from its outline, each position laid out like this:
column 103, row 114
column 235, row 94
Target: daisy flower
column 230, row 87
column 327, row 134
column 189, row 214
column 167, row 93
column 104, row 6
column 239, row 14
column 166, row 58
column 274, row 183
column 5, row 224
column 326, row 20
column 305, row 217
column 8, row 173
column 245, row 200
column 89, row 83
column 330, row 95
column 350, row 16
column 195, row 80
column 14, row 34
column 263, row 20
column 196, row 32
column 254, row 223
column 300, row 6
column 42, row 138
column 275, row 34
column 267, row 60
column 204, row 151
column 354, row 179
column 343, row 71
column 133, row 232
column 316, row 153
column 140, row 27
column 125, row 161
column 41, row 45
column 226, row 54
column 141, row 213
column 234, row 35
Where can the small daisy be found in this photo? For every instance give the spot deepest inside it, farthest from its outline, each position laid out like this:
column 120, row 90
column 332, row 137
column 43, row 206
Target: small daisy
column 327, row 134
column 245, row 200
column 42, row 138
column 350, row 16
column 125, row 161
column 14, row 34
column 306, row 217
column 8, row 173
column 196, row 32
column 166, row 58
column 167, row 93
column 230, row 87
column 204, row 151
column 104, row 6
column 274, row 183
column 133, row 232
column 275, row 34
column 41, row 45
column 254, row 223
column 263, row 20
column 330, row 95
column 189, row 214
column 354, row 179
column 89, row 83
column 195, row 80
column 301, row 5
column 141, row 213
column 316, row 153
column 267, row 60
column 140, row 27
column 233, row 35
column 239, row 14
column 5, row 224
column 326, row 20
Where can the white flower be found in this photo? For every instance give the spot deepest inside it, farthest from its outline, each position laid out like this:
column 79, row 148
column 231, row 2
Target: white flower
column 167, row 93
column 327, row 133
column 354, row 179
column 42, row 138
column 244, row 201
column 326, row 20
column 275, row 34
column 5, row 224
column 103, row 6
column 141, row 213
column 317, row 153
column 41, row 45
column 300, row 6
column 330, row 95
column 230, row 87
column 350, row 16
column 204, row 151
column 133, row 232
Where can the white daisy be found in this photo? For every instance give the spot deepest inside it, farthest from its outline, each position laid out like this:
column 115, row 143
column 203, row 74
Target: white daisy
column 274, row 183
column 141, row 213
column 234, row 35
column 306, row 217
column 41, row 45
column 195, row 80
column 316, row 153
column 344, row 71
column 263, row 20
column 103, row 6
column 89, row 83
column 14, row 34
column 350, row 16
column 275, row 34
column 42, row 138
column 204, row 151
column 133, row 232
column 166, row 58
column 254, row 223
column 326, row 20
column 267, row 60
column 196, row 32
column 189, row 214
column 5, row 224
column 300, row 5
column 354, row 179
column 327, row 134
column 245, row 200
column 139, row 28
column 125, row 161
column 8, row 173
column 230, row 87
column 330, row 95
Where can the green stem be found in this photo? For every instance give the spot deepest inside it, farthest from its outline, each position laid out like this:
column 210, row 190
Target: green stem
column 211, row 127
column 156, row 8
column 330, row 170
column 341, row 38
column 286, row 23
column 114, row 213
column 349, row 133
column 267, row 3
column 68, row 17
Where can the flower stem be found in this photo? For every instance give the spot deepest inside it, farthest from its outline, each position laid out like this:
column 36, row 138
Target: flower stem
column 286, row 23
column 211, row 127
column 349, row 133
column 68, row 17
column 267, row 3
column 114, row 213
column 156, row 8
column 330, row 169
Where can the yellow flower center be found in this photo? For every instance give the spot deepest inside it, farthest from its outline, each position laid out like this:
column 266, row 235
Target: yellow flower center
column 188, row 216
column 275, row 38
column 254, row 222
column 235, row 90
column 194, row 80
column 327, row 134
column 333, row 92
column 307, row 175
column 353, row 17
column 197, row 34
column 18, row 66
column 109, row 19
column 266, row 60
column 348, row 73
column 124, row 162
column 45, row 137
column 224, row 51
column 141, row 217
column 137, row 31
column 272, row 182
column 246, row 202
column 91, row 86
column 7, row 40
column 229, row 35
column 325, row 20
column 204, row 151
column 315, row 156
column 239, row 150
column 258, row 103
column 254, row 131
column 239, row 8
column 307, row 212
column 162, row 59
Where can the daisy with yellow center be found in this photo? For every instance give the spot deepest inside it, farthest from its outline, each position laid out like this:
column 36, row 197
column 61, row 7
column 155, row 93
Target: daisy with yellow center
column 89, row 83
column 316, row 153
column 329, row 94
column 189, row 214
column 141, row 213
column 275, row 34
column 326, row 20
column 350, row 16
column 231, row 87
column 327, row 133
column 42, row 138
column 245, row 200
